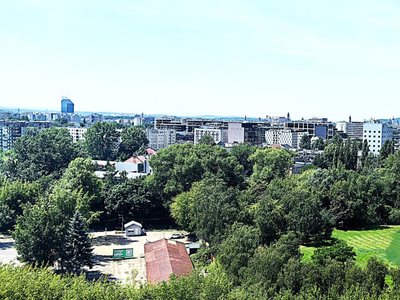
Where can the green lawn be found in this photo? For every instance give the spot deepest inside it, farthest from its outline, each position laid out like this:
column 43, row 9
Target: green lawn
column 383, row 242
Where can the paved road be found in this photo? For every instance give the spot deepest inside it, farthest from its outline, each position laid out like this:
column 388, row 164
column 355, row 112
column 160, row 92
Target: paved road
column 7, row 251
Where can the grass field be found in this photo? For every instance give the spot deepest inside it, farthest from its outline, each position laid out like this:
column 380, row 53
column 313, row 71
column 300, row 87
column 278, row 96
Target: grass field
column 381, row 241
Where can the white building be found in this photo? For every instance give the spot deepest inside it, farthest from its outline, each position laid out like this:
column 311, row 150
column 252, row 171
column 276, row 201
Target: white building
column 235, row 133
column 353, row 129
column 133, row 228
column 77, row 133
column 219, row 135
column 376, row 134
column 161, row 138
column 280, row 136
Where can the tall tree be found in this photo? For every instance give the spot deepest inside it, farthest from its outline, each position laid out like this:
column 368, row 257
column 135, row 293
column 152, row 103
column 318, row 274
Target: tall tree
column 132, row 139
column 78, row 247
column 48, row 152
column 101, row 141
column 387, row 149
column 270, row 163
column 364, row 153
column 305, row 142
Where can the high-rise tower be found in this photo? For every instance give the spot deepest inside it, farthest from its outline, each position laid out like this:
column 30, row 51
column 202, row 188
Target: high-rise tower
column 67, row 106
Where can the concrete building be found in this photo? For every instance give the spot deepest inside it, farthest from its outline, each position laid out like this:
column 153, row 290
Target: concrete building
column 376, row 134
column 280, row 136
column 77, row 133
column 319, row 127
column 353, row 130
column 247, row 132
column 161, row 138
column 67, row 106
column 11, row 130
column 219, row 135
column 94, row 118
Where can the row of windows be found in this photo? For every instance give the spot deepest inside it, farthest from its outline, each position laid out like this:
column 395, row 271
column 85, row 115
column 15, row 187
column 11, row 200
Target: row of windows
column 365, row 131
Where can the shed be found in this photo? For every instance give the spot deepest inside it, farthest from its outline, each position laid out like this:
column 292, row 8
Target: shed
column 133, row 228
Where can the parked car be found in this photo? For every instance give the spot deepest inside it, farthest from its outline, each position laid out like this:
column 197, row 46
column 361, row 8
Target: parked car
column 176, row 235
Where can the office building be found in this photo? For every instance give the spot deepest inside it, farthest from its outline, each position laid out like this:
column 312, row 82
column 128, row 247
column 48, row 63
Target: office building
column 316, row 127
column 280, row 136
column 67, row 106
column 376, row 134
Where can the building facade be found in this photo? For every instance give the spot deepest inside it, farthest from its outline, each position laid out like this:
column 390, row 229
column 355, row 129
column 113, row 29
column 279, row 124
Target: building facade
column 161, row 138
column 376, row 134
column 219, row 135
column 278, row 136
column 67, row 106
column 314, row 127
column 11, row 130
column 353, row 130
column 77, row 133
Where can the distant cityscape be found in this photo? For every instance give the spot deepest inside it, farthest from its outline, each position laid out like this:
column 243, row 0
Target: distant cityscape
column 164, row 131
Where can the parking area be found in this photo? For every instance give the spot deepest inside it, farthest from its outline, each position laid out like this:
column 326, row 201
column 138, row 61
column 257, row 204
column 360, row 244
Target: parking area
column 127, row 271
column 130, row 270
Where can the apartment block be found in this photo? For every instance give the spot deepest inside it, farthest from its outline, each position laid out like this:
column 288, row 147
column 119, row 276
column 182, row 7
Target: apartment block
column 161, row 138
column 376, row 134
column 219, row 135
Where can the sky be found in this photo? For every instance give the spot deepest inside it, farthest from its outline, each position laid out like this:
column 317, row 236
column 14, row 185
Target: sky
column 311, row 58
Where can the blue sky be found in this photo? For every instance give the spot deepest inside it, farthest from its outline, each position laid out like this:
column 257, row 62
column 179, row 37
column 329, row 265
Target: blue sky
column 256, row 58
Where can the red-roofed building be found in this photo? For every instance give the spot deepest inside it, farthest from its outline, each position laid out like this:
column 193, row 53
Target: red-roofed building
column 164, row 257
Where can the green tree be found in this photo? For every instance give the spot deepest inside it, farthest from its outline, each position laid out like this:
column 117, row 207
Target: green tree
column 364, row 153
column 207, row 140
column 61, row 122
column 132, row 139
column 387, row 149
column 270, row 163
column 13, row 195
column 47, row 153
column 242, row 152
column 319, row 144
column 339, row 251
column 78, row 247
column 80, row 176
column 177, row 167
column 305, row 142
column 101, row 141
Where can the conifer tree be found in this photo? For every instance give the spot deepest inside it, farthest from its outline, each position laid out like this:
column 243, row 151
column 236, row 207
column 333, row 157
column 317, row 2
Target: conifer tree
column 78, row 248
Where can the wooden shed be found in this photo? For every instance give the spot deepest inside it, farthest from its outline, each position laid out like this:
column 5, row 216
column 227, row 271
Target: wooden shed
column 133, row 228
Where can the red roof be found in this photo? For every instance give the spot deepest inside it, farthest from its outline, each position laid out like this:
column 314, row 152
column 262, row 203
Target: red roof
column 276, row 146
column 164, row 257
column 151, row 151
column 134, row 159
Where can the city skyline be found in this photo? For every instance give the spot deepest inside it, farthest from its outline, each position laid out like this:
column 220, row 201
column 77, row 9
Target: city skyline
column 203, row 58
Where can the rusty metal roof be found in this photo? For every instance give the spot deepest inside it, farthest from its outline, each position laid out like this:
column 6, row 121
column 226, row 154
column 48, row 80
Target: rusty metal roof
column 164, row 257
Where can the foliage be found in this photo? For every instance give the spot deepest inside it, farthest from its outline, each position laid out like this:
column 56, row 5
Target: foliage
column 47, row 153
column 78, row 249
column 319, row 144
column 270, row 163
column 305, row 142
column 207, row 140
column 101, row 141
column 177, row 167
column 132, row 139
column 242, row 152
column 339, row 251
column 13, row 195
column 131, row 198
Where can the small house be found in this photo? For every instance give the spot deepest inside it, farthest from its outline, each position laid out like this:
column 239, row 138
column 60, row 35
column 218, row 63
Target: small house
column 133, row 228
